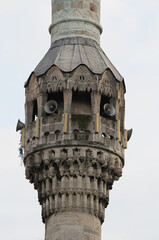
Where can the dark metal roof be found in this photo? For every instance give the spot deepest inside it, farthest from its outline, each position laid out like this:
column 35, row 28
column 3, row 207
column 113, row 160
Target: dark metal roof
column 69, row 53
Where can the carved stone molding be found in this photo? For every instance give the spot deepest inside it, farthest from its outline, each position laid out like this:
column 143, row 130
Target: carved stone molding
column 33, row 88
column 75, row 13
column 106, row 86
column 54, row 80
column 82, row 80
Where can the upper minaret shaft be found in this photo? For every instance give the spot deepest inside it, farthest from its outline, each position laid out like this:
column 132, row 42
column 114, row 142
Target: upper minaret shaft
column 72, row 18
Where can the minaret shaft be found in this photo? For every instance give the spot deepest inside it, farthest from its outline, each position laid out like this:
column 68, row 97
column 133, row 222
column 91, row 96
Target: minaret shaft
column 75, row 18
column 72, row 226
column 74, row 137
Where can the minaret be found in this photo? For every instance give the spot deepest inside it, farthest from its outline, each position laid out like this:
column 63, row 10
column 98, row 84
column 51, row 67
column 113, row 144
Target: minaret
column 74, row 136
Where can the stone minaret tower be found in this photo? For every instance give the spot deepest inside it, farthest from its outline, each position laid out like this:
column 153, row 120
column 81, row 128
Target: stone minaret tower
column 74, row 137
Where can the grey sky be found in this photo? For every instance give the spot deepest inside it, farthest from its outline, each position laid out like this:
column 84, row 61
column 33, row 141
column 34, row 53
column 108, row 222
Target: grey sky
column 130, row 39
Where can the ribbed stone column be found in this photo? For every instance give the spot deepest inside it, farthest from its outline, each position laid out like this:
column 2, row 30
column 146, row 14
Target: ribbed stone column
column 72, row 18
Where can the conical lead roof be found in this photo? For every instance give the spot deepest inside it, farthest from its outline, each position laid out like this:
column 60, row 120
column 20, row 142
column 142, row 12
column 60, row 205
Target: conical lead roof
column 68, row 53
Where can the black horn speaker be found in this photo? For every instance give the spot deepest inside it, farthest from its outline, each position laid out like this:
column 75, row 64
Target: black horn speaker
column 20, row 125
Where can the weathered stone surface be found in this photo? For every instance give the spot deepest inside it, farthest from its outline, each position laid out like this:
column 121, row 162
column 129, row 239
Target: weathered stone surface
column 75, row 18
column 70, row 226
column 73, row 179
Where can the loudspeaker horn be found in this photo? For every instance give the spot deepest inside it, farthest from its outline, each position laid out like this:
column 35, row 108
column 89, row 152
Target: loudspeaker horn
column 129, row 133
column 109, row 110
column 50, row 107
column 20, row 125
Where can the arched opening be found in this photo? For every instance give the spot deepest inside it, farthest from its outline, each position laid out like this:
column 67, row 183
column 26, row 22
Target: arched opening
column 58, row 98
column 76, row 134
column 104, row 100
column 57, row 135
column 35, row 110
column 81, row 103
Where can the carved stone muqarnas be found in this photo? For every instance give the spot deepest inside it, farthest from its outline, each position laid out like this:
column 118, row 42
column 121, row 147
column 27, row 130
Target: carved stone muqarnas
column 73, row 179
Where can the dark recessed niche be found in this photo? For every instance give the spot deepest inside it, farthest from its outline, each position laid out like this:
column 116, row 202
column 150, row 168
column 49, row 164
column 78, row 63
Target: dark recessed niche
column 46, row 134
column 35, row 110
column 81, row 103
column 104, row 100
column 58, row 98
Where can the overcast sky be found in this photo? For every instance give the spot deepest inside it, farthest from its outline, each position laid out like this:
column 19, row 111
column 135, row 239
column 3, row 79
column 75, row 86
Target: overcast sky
column 131, row 41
